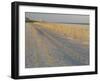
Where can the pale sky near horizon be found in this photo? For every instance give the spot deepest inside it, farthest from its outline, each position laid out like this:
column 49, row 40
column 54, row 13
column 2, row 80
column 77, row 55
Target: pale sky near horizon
column 58, row 18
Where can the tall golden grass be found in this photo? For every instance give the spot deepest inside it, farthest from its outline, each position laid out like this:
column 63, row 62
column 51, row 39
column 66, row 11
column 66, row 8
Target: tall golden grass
column 73, row 31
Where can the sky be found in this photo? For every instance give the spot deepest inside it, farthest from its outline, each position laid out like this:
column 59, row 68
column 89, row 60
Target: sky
column 58, row 18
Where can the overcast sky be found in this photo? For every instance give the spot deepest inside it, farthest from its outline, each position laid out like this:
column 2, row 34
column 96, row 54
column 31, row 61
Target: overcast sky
column 58, row 18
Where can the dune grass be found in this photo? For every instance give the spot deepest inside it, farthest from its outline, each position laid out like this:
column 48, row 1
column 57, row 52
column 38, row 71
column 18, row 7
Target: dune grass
column 72, row 31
